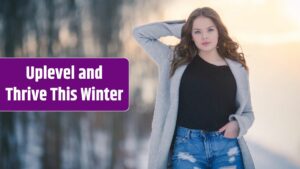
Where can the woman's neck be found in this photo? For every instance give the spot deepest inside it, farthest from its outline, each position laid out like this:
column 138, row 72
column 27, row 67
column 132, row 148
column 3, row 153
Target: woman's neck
column 212, row 57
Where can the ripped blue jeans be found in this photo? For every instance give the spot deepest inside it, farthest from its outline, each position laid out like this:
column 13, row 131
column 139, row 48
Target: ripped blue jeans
column 197, row 149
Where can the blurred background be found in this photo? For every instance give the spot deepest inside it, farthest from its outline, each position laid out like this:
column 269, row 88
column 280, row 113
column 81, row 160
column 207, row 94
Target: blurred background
column 267, row 30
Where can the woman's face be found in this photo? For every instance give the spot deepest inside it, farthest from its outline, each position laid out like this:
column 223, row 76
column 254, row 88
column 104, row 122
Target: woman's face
column 205, row 34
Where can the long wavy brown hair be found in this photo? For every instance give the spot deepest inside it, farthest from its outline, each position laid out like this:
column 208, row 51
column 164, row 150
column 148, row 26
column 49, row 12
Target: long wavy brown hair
column 186, row 49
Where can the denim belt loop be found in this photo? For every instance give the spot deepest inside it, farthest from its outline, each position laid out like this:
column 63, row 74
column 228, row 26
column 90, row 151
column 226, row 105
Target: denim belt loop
column 203, row 134
column 188, row 134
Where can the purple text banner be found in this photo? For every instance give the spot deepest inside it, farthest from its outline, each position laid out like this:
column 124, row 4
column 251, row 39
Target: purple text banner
column 64, row 84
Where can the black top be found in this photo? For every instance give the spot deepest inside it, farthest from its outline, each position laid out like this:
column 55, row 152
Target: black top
column 206, row 95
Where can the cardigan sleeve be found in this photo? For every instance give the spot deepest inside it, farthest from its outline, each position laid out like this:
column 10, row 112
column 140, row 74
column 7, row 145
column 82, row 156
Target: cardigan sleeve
column 148, row 38
column 246, row 118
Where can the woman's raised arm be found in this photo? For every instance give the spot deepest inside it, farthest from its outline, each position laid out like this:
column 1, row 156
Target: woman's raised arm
column 148, row 37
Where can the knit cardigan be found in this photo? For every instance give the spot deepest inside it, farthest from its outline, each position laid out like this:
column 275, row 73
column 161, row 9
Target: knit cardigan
column 167, row 95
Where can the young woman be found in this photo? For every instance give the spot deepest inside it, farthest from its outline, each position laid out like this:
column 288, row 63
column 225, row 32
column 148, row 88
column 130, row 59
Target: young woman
column 203, row 106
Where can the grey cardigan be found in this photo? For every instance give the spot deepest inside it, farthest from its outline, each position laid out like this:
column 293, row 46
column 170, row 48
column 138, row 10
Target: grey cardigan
column 167, row 96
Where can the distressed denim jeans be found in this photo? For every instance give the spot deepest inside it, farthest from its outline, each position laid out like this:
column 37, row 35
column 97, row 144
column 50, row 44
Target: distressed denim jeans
column 197, row 149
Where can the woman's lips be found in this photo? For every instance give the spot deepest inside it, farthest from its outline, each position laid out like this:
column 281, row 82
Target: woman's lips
column 205, row 43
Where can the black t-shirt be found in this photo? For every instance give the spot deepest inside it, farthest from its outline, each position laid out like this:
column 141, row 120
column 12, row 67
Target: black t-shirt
column 206, row 95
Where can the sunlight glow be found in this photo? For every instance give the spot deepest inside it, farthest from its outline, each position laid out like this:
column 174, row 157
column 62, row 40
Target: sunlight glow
column 291, row 8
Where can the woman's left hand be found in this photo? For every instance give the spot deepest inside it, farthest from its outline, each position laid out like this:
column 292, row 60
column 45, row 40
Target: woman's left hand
column 231, row 129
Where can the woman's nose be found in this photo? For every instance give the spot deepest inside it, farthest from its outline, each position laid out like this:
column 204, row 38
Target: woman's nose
column 204, row 36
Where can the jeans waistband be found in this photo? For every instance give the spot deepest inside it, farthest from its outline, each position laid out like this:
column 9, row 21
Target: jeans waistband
column 187, row 132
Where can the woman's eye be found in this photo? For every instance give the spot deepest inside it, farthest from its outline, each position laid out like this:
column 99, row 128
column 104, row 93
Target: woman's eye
column 197, row 32
column 210, row 30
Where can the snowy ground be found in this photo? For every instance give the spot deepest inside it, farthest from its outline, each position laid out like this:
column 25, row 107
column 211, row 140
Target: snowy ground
column 266, row 159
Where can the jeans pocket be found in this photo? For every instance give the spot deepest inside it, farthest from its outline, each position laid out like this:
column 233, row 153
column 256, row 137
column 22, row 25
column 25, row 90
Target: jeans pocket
column 180, row 139
column 227, row 138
